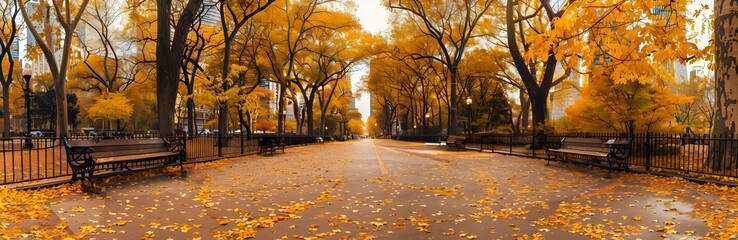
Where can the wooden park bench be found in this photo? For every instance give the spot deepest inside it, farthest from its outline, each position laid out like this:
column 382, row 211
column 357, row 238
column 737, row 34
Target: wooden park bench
column 87, row 156
column 455, row 142
column 270, row 144
column 591, row 149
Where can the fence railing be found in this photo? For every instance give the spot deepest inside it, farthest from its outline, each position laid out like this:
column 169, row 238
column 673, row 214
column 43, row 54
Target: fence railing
column 687, row 155
column 38, row 158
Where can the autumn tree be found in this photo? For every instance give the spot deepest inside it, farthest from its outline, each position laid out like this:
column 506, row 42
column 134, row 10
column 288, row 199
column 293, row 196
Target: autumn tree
column 247, row 95
column 8, row 36
column 726, row 94
column 249, row 107
column 44, row 108
column 170, row 44
column 202, row 39
column 233, row 15
column 372, row 127
column 481, row 83
column 536, row 73
column 113, row 107
column 356, row 126
column 690, row 115
column 290, row 25
column 101, row 67
column 626, row 107
column 421, row 80
column 452, row 25
column 334, row 52
column 634, row 41
column 386, row 95
column 68, row 15
column 705, row 103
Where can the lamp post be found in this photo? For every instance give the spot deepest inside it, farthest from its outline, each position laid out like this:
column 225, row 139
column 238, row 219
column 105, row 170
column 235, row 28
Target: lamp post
column 284, row 122
column 468, row 105
column 27, row 93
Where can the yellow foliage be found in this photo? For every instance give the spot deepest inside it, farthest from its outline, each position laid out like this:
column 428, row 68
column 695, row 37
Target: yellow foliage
column 114, row 106
column 373, row 127
column 356, row 126
column 264, row 125
column 631, row 106
column 635, row 38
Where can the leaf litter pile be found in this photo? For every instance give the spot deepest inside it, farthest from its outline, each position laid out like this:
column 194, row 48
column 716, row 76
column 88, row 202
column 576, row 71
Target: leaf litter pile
column 328, row 192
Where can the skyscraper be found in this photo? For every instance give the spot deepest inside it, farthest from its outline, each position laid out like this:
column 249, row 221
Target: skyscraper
column 14, row 49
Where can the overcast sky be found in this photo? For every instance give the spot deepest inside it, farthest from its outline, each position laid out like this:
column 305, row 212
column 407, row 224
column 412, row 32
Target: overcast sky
column 373, row 18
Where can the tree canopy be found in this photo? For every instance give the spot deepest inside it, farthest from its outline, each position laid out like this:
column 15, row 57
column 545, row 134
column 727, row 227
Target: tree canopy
column 237, row 63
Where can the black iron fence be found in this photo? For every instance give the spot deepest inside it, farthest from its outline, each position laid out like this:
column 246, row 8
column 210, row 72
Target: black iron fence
column 38, row 158
column 703, row 156
column 688, row 155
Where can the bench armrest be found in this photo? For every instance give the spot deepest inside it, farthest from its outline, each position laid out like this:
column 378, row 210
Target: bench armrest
column 80, row 157
column 176, row 144
column 620, row 149
column 553, row 144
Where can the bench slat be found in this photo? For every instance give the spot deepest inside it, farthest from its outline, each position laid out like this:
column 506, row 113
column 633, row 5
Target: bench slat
column 581, row 152
column 135, row 158
column 129, row 152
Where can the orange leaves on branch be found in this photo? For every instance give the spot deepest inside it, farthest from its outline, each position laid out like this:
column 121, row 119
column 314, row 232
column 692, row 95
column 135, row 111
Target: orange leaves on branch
column 641, row 35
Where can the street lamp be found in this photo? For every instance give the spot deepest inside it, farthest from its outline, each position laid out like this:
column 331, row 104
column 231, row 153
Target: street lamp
column 468, row 105
column 284, row 121
column 27, row 93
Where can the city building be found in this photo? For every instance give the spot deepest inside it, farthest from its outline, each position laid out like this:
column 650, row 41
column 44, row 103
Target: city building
column 565, row 94
column 210, row 12
column 15, row 47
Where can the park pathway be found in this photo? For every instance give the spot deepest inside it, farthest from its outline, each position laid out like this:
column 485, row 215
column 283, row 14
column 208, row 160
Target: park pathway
column 385, row 189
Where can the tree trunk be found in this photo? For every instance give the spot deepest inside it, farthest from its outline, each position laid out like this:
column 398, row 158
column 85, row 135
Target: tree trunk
column 245, row 122
column 440, row 113
column 540, row 108
column 452, row 124
column 537, row 90
column 721, row 156
column 309, row 113
column 223, row 112
column 191, row 121
column 6, row 106
column 280, row 108
column 296, row 114
column 169, row 49
column 388, row 119
column 166, row 93
column 62, row 120
column 524, row 111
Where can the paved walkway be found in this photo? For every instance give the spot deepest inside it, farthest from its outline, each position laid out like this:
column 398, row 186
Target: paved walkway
column 387, row 189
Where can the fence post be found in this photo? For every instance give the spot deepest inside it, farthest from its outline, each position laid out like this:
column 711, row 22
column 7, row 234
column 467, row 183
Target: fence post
column 648, row 151
column 220, row 144
column 533, row 144
column 185, row 137
column 511, row 143
column 481, row 142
